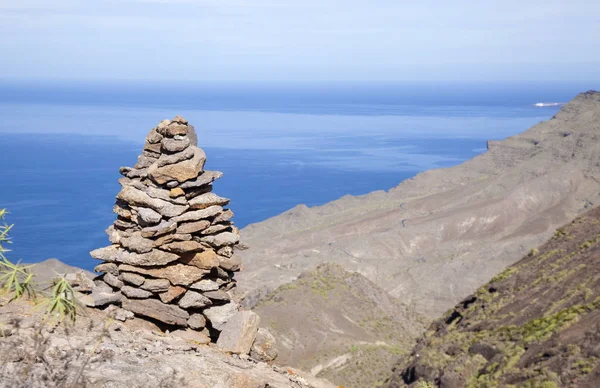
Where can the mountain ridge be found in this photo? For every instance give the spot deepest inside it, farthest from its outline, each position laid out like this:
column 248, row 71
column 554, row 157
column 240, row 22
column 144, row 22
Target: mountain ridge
column 440, row 222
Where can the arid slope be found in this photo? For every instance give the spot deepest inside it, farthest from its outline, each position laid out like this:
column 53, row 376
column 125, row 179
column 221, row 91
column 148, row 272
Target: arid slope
column 340, row 326
column 537, row 324
column 435, row 238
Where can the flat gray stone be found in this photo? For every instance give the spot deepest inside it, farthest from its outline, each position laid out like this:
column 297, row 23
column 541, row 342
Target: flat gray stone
column 216, row 228
column 137, row 197
column 222, row 239
column 148, row 217
column 135, row 293
column 115, row 254
column 165, row 195
column 239, row 333
column 197, row 215
column 193, row 299
column 112, row 280
column 226, row 215
column 98, row 299
column 153, row 308
column 132, row 278
column 137, row 243
column 219, row 315
column 180, row 171
column 156, row 285
column 175, row 145
column 183, row 247
column 219, row 296
column 163, row 228
column 205, row 285
column 206, row 200
column 264, row 347
column 110, row 268
column 197, row 321
column 177, row 274
column 154, row 137
column 192, row 336
column 192, row 227
column 233, row 263
column 207, row 177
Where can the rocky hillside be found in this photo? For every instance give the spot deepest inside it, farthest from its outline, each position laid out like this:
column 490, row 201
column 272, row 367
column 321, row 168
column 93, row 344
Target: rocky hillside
column 435, row 238
column 101, row 351
column 339, row 325
column 537, row 324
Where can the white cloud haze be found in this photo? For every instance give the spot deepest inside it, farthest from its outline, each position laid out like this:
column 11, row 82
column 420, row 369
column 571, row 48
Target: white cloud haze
column 300, row 39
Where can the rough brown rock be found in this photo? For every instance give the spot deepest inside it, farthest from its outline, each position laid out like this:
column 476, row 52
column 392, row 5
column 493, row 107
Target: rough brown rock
column 181, row 171
column 177, row 274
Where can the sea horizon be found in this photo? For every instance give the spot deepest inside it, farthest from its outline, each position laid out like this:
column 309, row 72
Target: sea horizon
column 276, row 150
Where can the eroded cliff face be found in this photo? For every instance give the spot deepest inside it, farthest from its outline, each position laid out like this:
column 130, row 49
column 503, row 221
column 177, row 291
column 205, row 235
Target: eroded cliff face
column 536, row 324
column 435, row 238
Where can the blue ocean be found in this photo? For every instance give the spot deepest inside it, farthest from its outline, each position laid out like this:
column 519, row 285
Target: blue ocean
column 278, row 145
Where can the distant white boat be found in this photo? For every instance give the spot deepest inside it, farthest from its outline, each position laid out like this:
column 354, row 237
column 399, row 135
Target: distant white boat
column 543, row 104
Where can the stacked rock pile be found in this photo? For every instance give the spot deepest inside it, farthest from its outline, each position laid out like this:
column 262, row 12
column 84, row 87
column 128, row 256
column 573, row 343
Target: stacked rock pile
column 171, row 258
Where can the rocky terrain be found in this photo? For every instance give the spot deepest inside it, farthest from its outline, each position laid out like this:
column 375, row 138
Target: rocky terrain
column 536, row 324
column 435, row 238
column 161, row 312
column 101, row 351
column 339, row 325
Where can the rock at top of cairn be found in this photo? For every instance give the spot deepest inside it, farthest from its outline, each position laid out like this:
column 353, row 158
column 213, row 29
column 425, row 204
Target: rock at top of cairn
column 172, row 257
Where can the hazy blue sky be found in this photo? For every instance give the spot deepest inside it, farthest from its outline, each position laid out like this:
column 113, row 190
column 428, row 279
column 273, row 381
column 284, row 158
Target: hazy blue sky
column 301, row 39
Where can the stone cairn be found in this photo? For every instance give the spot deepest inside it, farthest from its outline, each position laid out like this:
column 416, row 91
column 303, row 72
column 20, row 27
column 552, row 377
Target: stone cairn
column 171, row 258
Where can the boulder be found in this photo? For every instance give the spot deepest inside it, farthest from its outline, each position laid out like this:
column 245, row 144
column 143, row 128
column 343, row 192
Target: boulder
column 264, row 347
column 239, row 332
column 155, row 309
column 218, row 315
